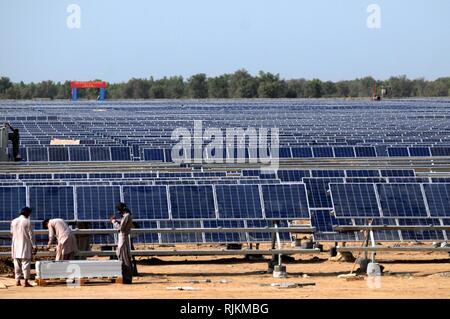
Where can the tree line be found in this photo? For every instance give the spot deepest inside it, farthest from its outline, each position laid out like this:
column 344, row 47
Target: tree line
column 240, row 84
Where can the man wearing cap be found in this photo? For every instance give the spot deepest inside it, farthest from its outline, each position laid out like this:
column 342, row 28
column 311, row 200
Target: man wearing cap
column 22, row 246
column 58, row 229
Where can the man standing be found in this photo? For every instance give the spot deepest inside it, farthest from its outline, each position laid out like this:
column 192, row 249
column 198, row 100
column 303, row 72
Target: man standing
column 124, row 244
column 58, row 229
column 22, row 246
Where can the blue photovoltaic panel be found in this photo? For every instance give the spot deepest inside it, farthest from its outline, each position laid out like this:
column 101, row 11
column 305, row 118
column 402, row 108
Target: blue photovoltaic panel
column 381, row 235
column 327, row 173
column 397, row 173
column 408, row 180
column 419, row 151
column 438, row 198
column 238, row 201
column 324, row 221
column 354, row 200
column 12, row 200
column 365, row 151
column 120, row 153
column 365, row 180
column 35, row 176
column 147, row 202
column 224, row 237
column 292, row 175
column 52, row 202
column 401, row 200
column 318, row 191
column 345, row 151
column 99, row 153
column 381, row 151
column 177, row 238
column 323, row 152
column 38, row 154
column 421, row 235
column 440, row 151
column 188, row 202
column 285, row 152
column 285, row 201
column 97, row 202
column 149, row 238
column 363, row 173
column 58, row 154
column 298, row 152
column 79, row 154
column 154, row 154
column 264, row 237
column 398, row 151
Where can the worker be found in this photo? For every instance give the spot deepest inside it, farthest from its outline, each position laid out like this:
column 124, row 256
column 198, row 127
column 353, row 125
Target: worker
column 58, row 229
column 124, row 243
column 22, row 248
column 14, row 137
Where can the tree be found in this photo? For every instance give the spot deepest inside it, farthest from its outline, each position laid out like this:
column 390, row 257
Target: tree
column 219, row 87
column 342, row 89
column 313, row 88
column 5, row 84
column 329, row 89
column 270, row 85
column 198, row 87
column 243, row 85
column 295, row 88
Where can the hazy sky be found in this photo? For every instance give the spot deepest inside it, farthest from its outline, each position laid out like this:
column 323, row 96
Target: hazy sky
column 327, row 39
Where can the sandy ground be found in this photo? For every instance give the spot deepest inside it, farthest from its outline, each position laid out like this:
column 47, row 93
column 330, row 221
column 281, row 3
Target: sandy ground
column 407, row 275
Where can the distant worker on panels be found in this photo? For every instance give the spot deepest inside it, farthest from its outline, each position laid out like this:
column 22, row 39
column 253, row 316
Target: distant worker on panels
column 22, row 248
column 14, row 137
column 124, row 227
column 66, row 246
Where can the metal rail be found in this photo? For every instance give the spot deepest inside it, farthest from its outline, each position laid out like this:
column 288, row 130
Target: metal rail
column 389, row 227
column 135, row 231
column 174, row 252
column 392, row 249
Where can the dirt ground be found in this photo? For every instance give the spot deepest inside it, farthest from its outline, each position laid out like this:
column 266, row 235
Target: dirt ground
column 407, row 275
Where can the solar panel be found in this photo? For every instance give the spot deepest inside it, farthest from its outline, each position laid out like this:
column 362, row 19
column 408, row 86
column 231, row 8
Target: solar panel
column 152, row 238
column 298, row 152
column 421, row 235
column 362, row 173
column 438, row 199
column 79, row 154
column 52, row 202
column 120, row 153
column 266, row 237
column 318, row 191
column 401, row 200
column 354, row 200
column 440, row 151
column 292, row 175
column 12, row 199
column 327, row 173
column 398, row 151
column 323, row 152
column 99, row 153
column 419, row 151
column 285, row 201
column 397, row 173
column 365, row 151
column 58, row 154
column 224, row 237
column 97, row 202
column 238, row 201
column 38, row 154
column 345, row 151
column 190, row 202
column 323, row 221
column 382, row 235
column 147, row 202
column 177, row 238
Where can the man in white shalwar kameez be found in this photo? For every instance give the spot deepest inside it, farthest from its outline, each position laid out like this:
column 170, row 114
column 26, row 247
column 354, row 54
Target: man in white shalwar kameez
column 124, row 243
column 66, row 246
column 22, row 247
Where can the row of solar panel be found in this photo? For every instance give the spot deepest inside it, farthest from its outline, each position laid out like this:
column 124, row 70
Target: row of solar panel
column 76, row 154
column 324, row 220
column 178, row 238
column 159, row 202
column 282, row 174
column 165, row 155
column 391, row 200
